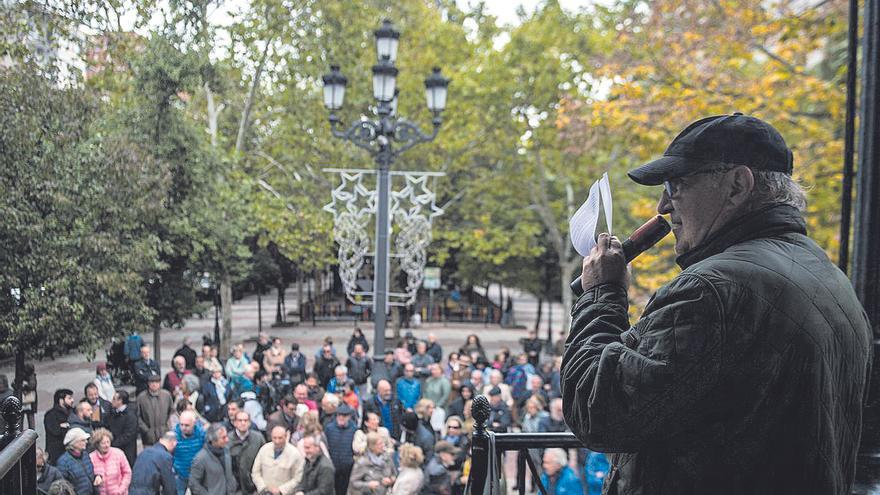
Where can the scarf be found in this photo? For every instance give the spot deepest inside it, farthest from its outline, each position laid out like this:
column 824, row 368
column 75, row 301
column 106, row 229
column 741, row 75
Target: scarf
column 375, row 459
column 220, row 388
column 217, row 451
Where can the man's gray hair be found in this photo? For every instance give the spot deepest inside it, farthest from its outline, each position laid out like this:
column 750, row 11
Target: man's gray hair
column 341, row 368
column 213, row 433
column 771, row 188
column 557, row 455
column 777, row 188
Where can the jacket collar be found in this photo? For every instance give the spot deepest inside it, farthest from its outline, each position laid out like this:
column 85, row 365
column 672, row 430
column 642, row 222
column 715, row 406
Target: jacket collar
column 769, row 221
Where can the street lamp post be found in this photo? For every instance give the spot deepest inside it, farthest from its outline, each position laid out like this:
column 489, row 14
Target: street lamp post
column 216, row 316
column 208, row 283
column 385, row 139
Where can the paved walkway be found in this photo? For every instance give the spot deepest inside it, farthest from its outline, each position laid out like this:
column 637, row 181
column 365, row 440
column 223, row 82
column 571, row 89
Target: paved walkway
column 525, row 309
column 74, row 371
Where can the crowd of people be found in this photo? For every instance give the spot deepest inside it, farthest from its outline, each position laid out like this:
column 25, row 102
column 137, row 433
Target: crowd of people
column 276, row 421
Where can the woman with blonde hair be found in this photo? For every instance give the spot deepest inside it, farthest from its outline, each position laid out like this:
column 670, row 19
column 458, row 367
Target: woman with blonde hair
column 409, row 480
column 374, row 472
column 109, row 463
column 425, row 410
column 468, row 418
column 309, row 426
column 370, row 425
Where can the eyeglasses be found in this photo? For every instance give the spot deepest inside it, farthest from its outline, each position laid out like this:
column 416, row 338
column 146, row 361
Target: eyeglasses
column 453, row 427
column 673, row 187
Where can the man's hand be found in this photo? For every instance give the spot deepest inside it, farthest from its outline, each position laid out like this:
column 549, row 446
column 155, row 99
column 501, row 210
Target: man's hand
column 275, row 490
column 387, row 481
column 373, row 484
column 605, row 264
column 98, row 480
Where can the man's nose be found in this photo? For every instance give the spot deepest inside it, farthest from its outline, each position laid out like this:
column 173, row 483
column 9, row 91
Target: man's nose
column 664, row 206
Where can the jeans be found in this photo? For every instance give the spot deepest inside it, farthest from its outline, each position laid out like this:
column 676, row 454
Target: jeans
column 181, row 484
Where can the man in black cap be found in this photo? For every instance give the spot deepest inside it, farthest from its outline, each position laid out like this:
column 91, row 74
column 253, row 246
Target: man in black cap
column 747, row 372
column 500, row 418
column 340, row 434
column 416, row 433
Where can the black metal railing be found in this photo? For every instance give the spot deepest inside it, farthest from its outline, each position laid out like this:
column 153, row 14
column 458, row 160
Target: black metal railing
column 487, row 468
column 18, row 452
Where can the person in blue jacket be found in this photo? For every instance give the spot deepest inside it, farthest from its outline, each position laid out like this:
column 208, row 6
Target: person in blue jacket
column 75, row 464
column 153, row 472
column 190, row 439
column 595, row 470
column 558, row 478
column 409, row 390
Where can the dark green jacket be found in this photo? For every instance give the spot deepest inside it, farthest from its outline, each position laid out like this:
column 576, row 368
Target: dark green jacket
column 318, row 476
column 746, row 373
column 243, row 454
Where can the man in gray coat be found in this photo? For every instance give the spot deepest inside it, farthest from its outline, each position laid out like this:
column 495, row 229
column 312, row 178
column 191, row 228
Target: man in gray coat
column 244, row 444
column 154, row 405
column 318, row 473
column 747, row 372
column 211, row 472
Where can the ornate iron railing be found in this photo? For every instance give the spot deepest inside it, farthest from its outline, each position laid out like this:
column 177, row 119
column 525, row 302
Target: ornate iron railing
column 487, row 468
column 18, row 452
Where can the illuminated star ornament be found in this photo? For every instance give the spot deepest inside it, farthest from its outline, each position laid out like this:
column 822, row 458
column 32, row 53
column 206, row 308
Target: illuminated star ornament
column 412, row 211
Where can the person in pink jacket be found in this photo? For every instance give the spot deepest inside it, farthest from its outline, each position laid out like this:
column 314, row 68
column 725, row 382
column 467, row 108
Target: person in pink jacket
column 110, row 463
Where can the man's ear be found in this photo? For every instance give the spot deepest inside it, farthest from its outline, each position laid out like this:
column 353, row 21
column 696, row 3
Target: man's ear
column 742, row 183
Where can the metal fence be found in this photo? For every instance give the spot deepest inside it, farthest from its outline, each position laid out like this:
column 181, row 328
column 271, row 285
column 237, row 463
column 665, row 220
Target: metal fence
column 487, row 467
column 18, row 452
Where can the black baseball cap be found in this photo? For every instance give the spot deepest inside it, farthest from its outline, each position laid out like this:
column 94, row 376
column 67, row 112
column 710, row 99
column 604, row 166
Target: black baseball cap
column 735, row 139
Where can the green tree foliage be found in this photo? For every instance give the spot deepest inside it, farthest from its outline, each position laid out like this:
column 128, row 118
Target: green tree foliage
column 74, row 195
column 218, row 136
column 672, row 62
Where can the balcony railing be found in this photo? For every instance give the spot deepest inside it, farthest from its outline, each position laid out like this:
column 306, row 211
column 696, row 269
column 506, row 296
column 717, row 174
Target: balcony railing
column 487, row 467
column 18, row 452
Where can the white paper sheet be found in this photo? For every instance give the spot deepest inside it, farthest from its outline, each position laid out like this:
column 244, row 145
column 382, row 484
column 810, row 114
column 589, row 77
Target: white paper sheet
column 605, row 189
column 582, row 226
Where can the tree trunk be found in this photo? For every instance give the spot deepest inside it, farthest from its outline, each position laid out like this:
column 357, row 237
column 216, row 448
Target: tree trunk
column 249, row 102
column 395, row 322
column 549, row 336
column 226, row 307
column 538, row 319
column 299, row 293
column 284, row 303
column 157, row 343
column 279, row 319
column 19, row 367
column 488, row 304
column 566, row 269
column 213, row 114
column 259, row 312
